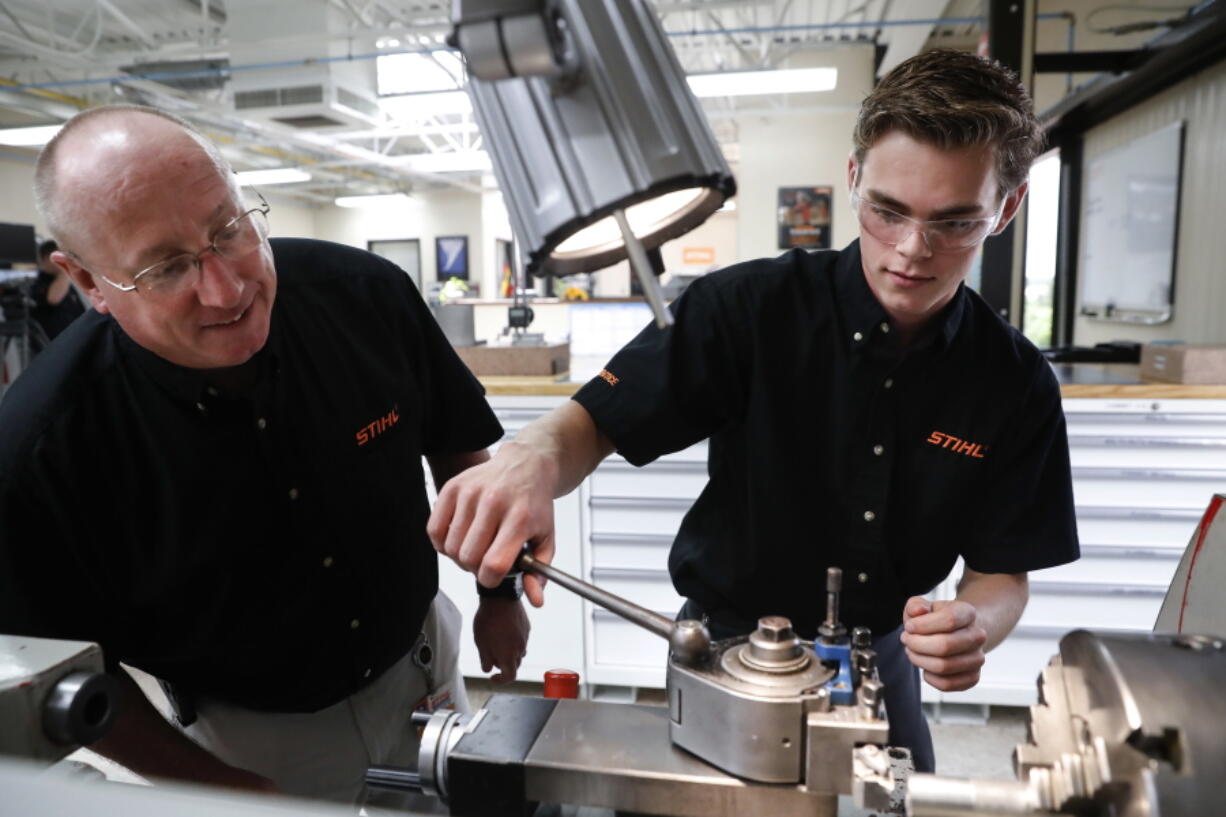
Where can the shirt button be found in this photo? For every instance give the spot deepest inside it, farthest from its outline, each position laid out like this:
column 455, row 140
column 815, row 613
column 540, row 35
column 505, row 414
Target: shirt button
column 367, row 673
column 878, row 449
column 327, row 561
column 889, row 383
column 869, row 516
column 262, row 423
column 203, row 410
column 293, row 493
column 863, row 577
column 857, row 336
column 353, row 625
column 885, row 328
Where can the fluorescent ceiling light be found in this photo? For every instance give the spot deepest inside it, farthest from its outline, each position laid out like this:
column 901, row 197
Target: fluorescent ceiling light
column 413, row 107
column 377, row 200
column 746, row 83
column 414, row 73
column 454, row 162
column 28, row 137
column 277, row 175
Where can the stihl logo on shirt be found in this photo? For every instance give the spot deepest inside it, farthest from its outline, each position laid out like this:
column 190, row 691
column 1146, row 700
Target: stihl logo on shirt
column 957, row 445
column 379, row 426
column 608, row 377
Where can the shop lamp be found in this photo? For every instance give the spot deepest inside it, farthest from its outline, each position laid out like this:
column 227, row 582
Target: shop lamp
column 598, row 144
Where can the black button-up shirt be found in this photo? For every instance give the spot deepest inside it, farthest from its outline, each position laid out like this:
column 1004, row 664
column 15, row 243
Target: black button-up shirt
column 265, row 547
column 830, row 446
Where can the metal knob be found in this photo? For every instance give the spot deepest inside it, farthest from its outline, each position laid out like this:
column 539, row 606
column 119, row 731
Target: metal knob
column 774, row 646
column 832, row 629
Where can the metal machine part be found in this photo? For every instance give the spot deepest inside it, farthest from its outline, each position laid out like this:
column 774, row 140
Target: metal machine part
column 501, row 39
column 527, row 750
column 689, row 640
column 54, row 696
column 768, row 706
column 763, row 711
column 1126, row 726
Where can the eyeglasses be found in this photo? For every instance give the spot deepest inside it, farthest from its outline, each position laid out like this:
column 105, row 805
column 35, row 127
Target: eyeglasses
column 237, row 239
column 943, row 235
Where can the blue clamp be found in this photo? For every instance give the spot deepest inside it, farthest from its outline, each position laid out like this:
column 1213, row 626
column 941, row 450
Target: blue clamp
column 841, row 690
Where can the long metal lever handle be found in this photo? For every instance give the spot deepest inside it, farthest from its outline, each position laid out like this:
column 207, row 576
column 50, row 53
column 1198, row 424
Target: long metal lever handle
column 689, row 639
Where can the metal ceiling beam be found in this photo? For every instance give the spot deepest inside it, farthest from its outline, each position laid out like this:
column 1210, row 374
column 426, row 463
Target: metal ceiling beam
column 127, row 23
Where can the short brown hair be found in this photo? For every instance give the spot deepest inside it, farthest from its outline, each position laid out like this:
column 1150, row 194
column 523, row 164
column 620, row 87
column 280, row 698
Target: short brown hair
column 954, row 99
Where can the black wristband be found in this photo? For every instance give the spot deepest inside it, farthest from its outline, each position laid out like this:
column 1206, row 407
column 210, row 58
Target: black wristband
column 511, row 587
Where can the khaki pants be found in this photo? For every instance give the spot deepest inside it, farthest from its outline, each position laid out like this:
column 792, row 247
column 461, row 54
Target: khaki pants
column 325, row 754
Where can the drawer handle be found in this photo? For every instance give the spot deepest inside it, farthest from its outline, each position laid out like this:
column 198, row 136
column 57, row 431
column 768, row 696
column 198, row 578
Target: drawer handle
column 615, row 573
column 1047, row 631
column 681, row 466
column 1088, row 441
column 1139, row 514
column 1158, row 418
column 655, row 539
column 1091, row 589
column 1130, row 552
column 654, row 503
column 1164, row 474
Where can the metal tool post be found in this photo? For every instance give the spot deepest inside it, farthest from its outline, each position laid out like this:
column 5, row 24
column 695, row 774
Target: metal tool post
column 770, row 723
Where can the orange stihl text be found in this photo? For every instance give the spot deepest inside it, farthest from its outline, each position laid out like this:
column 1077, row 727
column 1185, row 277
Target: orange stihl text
column 956, row 445
column 379, row 426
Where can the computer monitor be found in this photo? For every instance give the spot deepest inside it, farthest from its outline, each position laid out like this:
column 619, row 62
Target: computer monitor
column 17, row 245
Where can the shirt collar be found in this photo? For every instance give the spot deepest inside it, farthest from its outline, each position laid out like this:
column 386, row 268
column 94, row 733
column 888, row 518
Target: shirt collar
column 188, row 385
column 865, row 319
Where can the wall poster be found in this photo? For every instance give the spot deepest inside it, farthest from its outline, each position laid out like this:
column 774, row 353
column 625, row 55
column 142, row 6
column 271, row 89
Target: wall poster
column 804, row 217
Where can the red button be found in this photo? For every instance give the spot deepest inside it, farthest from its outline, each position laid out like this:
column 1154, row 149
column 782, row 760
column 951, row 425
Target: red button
column 561, row 683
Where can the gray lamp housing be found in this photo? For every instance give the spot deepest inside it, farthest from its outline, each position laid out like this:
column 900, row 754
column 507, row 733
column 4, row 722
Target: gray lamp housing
column 614, row 125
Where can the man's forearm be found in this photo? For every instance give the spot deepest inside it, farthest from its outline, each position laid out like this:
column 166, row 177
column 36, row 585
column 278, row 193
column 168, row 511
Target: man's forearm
column 141, row 740
column 568, row 438
column 998, row 598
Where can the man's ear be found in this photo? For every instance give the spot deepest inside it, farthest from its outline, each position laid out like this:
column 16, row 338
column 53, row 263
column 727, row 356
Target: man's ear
column 83, row 278
column 851, row 171
column 1013, row 202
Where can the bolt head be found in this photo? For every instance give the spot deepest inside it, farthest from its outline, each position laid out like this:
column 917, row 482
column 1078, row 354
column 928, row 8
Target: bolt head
column 775, row 628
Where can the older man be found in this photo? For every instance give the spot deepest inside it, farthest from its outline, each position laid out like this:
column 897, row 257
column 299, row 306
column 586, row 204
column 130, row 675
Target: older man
column 865, row 410
column 217, row 476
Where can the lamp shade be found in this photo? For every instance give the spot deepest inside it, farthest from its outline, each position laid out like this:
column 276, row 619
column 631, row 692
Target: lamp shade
column 617, row 128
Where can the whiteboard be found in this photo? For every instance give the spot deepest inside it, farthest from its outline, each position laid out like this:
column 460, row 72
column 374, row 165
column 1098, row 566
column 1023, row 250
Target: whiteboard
column 1130, row 220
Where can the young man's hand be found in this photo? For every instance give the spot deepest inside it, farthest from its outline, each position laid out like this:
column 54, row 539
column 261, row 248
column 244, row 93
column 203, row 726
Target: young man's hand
column 943, row 639
column 485, row 514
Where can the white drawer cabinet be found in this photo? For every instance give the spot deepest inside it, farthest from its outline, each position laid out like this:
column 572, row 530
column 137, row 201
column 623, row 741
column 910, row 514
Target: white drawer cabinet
column 1143, row 473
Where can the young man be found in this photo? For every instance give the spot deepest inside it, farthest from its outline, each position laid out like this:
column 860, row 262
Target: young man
column 216, row 473
column 865, row 410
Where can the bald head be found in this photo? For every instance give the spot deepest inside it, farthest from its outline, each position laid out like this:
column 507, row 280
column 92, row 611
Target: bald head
column 104, row 157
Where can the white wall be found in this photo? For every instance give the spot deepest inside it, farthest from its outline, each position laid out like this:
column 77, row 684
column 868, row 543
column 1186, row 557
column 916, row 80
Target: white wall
column 796, row 149
column 17, row 182
column 288, row 218
column 423, row 217
column 1200, row 280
